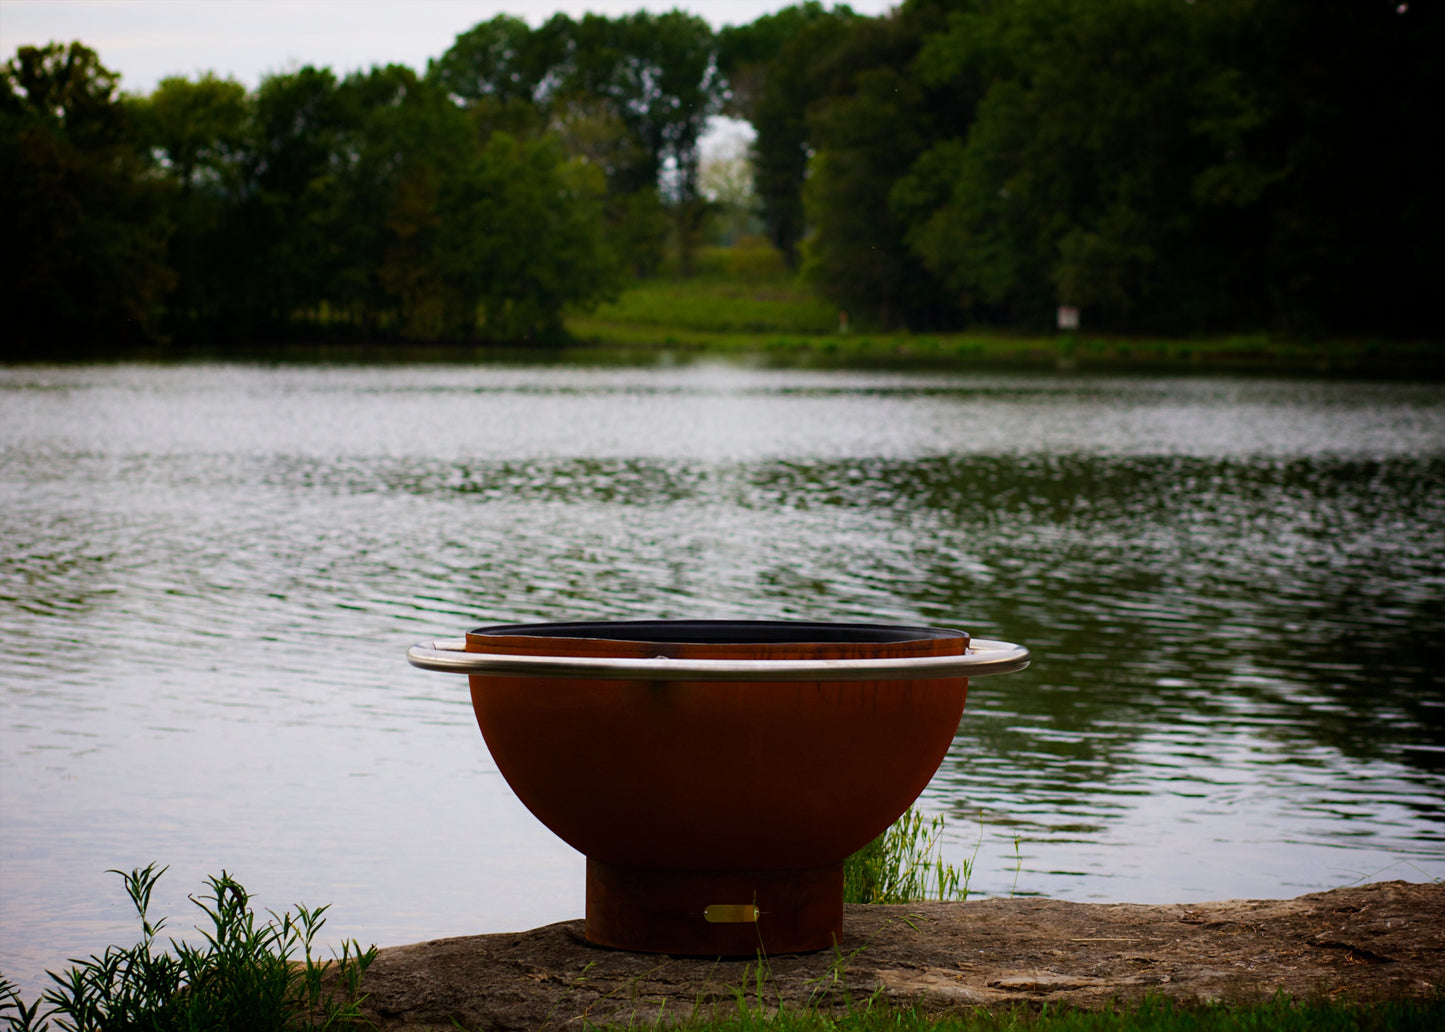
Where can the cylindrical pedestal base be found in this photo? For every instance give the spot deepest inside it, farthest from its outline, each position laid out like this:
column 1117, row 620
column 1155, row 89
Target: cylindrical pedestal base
column 714, row 913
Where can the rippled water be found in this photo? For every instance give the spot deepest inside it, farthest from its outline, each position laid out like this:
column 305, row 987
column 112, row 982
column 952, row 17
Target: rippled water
column 1233, row 590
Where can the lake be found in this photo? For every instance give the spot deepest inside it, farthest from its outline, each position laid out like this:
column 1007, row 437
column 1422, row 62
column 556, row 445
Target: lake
column 1234, row 590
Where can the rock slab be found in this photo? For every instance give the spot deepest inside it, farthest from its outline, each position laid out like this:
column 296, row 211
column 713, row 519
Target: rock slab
column 1385, row 940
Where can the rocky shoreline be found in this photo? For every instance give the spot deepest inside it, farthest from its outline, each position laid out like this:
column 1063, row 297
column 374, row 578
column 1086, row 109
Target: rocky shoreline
column 1385, row 940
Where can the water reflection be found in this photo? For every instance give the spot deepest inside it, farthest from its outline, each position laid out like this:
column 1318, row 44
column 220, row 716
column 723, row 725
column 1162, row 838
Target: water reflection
column 1232, row 588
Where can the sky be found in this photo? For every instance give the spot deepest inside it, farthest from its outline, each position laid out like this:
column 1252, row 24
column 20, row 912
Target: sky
column 148, row 40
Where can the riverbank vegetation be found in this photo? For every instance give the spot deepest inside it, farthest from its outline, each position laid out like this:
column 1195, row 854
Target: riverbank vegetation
column 246, row 976
column 252, row 976
column 905, row 865
column 1261, row 170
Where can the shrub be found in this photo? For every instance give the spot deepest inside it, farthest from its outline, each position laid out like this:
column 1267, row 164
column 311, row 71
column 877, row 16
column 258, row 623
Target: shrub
column 248, row 975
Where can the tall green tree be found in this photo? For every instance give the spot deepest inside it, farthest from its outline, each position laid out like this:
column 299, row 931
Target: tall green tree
column 502, row 59
column 1073, row 182
column 870, row 125
column 196, row 132
column 631, row 96
column 404, row 143
column 777, row 67
column 85, row 225
column 196, row 128
column 1183, row 167
column 1325, row 166
column 657, row 74
column 521, row 237
column 299, row 131
column 504, row 72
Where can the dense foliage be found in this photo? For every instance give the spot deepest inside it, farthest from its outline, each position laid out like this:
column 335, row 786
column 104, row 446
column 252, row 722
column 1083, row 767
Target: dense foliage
column 1166, row 165
column 1174, row 166
column 517, row 178
column 85, row 226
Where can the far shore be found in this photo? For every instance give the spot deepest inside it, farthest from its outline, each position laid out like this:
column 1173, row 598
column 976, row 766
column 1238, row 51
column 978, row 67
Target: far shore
column 598, row 342
column 1001, row 349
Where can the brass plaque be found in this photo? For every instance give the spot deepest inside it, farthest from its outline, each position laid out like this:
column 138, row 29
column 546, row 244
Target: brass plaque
column 730, row 913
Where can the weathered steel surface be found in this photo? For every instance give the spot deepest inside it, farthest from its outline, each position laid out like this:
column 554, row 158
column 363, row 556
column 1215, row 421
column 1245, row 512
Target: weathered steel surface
column 685, row 794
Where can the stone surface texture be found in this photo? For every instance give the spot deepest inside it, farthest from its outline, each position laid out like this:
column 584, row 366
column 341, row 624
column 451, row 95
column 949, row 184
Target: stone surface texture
column 1368, row 942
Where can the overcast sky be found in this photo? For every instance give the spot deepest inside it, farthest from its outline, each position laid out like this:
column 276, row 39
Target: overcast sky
column 147, row 40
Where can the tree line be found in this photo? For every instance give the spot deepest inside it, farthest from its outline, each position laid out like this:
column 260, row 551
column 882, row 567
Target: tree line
column 1165, row 165
column 525, row 172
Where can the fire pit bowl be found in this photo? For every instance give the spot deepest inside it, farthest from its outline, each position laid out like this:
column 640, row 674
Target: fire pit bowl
column 716, row 774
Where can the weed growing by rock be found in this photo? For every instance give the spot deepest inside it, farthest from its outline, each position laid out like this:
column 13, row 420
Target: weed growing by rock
column 250, row 974
column 903, row 865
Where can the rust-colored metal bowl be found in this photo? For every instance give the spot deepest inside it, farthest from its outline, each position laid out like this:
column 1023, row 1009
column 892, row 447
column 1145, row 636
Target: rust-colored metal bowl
column 716, row 774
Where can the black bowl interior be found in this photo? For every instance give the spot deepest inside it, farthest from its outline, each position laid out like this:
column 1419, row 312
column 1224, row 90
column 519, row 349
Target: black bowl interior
column 723, row 632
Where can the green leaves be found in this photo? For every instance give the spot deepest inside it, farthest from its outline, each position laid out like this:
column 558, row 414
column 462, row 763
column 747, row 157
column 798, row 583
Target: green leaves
column 903, row 866
column 1169, row 167
column 197, row 129
column 523, row 236
column 85, row 227
column 501, row 59
column 66, row 88
column 247, row 976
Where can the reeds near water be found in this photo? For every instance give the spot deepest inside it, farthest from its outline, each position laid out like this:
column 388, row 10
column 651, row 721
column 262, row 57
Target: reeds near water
column 250, row 974
column 903, row 865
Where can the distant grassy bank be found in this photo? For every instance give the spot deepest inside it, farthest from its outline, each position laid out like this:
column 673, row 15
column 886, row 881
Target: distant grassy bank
column 742, row 302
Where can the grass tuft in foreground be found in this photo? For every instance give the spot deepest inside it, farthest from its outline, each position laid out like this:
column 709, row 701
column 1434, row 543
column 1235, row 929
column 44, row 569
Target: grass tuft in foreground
column 249, row 975
column 903, row 865
column 1156, row 1014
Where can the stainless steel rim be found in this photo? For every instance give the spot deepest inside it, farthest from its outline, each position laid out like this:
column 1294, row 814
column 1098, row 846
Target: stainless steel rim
column 983, row 658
